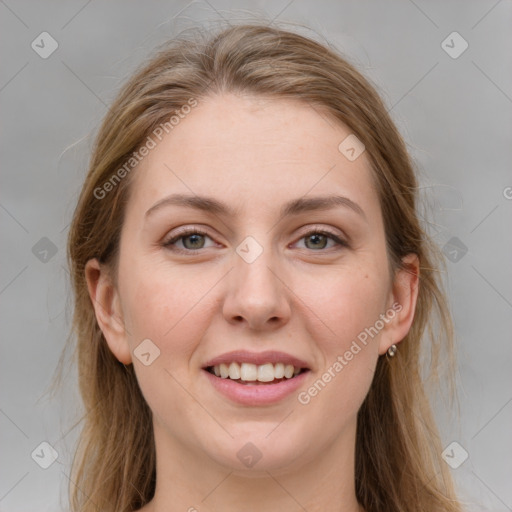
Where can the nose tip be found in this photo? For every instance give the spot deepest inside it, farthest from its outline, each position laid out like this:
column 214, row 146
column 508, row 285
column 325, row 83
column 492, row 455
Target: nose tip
column 256, row 294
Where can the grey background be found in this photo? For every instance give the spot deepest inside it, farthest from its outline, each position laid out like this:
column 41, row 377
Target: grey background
column 455, row 114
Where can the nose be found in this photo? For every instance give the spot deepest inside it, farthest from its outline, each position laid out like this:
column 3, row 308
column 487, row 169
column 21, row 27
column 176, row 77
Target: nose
column 257, row 295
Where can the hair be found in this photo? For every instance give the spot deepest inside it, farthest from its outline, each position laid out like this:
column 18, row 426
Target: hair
column 398, row 464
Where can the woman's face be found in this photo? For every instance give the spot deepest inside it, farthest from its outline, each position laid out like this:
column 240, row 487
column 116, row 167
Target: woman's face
column 290, row 258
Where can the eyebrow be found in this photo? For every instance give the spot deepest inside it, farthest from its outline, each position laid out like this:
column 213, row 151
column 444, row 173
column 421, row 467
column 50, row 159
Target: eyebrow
column 294, row 207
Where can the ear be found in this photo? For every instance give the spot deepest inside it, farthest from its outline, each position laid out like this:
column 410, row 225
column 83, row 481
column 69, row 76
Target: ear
column 403, row 296
column 106, row 303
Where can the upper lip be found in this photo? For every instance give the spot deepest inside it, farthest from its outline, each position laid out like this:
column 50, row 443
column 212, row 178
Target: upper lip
column 257, row 358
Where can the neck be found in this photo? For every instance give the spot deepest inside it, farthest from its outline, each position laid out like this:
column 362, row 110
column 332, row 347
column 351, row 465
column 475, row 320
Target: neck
column 190, row 481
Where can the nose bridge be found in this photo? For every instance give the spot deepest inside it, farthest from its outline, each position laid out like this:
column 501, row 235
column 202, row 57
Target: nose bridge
column 253, row 264
column 256, row 292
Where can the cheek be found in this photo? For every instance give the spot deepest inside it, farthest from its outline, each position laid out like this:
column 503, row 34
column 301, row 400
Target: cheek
column 348, row 302
column 350, row 307
column 174, row 314
column 170, row 311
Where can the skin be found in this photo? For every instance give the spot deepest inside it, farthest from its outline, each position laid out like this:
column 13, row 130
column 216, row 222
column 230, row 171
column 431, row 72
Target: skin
column 302, row 296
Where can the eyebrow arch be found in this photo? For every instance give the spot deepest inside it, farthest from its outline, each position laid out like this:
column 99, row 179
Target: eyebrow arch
column 293, row 207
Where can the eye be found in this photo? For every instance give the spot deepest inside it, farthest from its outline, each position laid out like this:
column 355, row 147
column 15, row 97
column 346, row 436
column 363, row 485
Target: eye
column 318, row 240
column 191, row 239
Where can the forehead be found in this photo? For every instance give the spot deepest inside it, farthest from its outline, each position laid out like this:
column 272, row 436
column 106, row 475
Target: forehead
column 252, row 150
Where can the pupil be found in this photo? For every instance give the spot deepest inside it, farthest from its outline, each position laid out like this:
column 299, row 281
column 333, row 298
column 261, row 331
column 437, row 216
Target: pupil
column 318, row 238
column 195, row 239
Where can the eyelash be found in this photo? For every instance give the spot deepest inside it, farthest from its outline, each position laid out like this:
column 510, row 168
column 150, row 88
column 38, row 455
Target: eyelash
column 197, row 231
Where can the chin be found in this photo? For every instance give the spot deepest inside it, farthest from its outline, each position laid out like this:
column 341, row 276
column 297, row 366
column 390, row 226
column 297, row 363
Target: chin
column 258, row 452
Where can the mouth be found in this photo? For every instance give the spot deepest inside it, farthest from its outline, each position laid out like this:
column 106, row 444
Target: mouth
column 249, row 374
column 253, row 385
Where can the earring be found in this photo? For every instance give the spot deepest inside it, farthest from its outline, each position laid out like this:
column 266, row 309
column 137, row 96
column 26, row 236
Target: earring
column 392, row 351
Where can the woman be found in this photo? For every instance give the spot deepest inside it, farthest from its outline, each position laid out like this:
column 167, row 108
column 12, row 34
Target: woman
column 251, row 288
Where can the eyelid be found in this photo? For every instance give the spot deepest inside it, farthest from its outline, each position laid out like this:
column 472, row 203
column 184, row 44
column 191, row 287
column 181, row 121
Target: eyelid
column 339, row 239
column 183, row 232
column 318, row 228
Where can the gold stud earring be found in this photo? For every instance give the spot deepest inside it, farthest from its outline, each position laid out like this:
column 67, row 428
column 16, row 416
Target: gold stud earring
column 392, row 351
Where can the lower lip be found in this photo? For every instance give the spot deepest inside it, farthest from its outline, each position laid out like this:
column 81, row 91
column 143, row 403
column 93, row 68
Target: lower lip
column 259, row 394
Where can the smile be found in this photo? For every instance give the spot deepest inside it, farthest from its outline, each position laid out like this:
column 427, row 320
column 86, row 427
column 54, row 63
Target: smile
column 256, row 393
column 255, row 374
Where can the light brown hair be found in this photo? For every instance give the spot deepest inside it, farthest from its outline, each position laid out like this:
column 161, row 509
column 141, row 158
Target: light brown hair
column 398, row 463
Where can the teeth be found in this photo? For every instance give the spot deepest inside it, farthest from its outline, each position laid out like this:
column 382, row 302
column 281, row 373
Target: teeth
column 279, row 370
column 288, row 371
column 249, row 372
column 234, row 371
column 266, row 372
column 224, row 371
